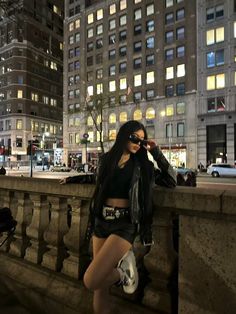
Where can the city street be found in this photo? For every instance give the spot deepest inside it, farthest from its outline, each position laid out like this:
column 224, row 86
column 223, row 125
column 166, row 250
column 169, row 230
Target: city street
column 203, row 180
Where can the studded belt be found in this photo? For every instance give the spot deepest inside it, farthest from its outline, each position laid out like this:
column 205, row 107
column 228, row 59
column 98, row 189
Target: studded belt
column 111, row 213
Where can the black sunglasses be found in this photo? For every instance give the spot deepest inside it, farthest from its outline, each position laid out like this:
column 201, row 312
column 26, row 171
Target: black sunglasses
column 136, row 140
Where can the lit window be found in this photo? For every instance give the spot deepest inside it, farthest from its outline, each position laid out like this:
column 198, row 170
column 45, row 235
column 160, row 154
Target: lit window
column 90, row 18
column 112, row 9
column 123, row 4
column 123, row 116
column 123, row 20
column 99, row 29
column 34, row 96
column 137, row 114
column 77, row 23
column 220, row 81
column 137, row 14
column 210, row 37
column 211, row 82
column 138, row 80
column 20, row 93
column 112, row 118
column 70, row 40
column 112, row 24
column 150, row 9
column 169, row 110
column 99, row 88
column 99, row 119
column 169, row 3
column 91, row 136
column 90, row 32
column 77, row 37
column 71, row 26
column 90, row 121
column 112, row 135
column 169, row 73
column 150, row 77
column 137, row 1
column 150, row 113
column 180, row 108
column 99, row 14
column 19, row 124
column 90, row 90
column 220, row 34
column 112, row 86
column 123, row 83
column 180, row 70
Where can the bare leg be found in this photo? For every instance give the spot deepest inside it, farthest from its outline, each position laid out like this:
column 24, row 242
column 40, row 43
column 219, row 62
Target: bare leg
column 101, row 297
column 103, row 265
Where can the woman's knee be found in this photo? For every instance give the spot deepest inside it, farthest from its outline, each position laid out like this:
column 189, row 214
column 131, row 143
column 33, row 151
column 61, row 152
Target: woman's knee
column 90, row 281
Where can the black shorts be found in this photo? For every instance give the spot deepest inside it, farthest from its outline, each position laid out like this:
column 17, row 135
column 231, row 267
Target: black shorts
column 121, row 227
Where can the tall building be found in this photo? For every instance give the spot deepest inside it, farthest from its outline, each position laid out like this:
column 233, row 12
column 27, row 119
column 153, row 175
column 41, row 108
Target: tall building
column 136, row 60
column 216, row 81
column 31, row 58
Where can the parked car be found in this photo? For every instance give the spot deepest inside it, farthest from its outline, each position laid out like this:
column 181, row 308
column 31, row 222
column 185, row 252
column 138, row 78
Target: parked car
column 184, row 171
column 60, row 169
column 221, row 169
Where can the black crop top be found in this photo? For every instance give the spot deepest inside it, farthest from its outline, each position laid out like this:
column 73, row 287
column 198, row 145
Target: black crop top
column 119, row 184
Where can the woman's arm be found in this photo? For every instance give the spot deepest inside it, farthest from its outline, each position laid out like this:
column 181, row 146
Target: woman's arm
column 166, row 175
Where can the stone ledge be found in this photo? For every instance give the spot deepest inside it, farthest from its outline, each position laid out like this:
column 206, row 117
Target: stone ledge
column 46, row 292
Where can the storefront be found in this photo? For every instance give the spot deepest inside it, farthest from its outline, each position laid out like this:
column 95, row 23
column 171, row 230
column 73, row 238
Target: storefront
column 177, row 155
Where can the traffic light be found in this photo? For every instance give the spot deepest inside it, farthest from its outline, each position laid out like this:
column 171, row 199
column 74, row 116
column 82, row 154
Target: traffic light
column 35, row 146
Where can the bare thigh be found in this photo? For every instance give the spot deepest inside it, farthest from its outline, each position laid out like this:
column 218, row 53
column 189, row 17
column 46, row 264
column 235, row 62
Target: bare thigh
column 105, row 260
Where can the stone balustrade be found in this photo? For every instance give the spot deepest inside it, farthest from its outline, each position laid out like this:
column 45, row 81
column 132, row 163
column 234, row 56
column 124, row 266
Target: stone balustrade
column 191, row 266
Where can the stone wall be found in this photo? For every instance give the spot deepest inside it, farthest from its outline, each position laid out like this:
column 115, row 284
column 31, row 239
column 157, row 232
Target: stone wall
column 191, row 267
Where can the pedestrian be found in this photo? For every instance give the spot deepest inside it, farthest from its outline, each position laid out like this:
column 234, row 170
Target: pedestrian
column 121, row 210
column 2, row 171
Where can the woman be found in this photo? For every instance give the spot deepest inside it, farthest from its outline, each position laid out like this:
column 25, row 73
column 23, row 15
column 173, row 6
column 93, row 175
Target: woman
column 121, row 210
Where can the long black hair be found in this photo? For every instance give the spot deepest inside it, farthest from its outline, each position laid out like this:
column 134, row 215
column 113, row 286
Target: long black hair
column 114, row 154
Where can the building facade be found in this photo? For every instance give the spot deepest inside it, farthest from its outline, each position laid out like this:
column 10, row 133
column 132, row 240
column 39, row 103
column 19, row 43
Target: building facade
column 130, row 60
column 31, row 58
column 216, row 115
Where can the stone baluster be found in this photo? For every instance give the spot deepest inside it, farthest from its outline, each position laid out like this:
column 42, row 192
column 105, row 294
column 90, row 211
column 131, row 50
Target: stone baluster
column 75, row 264
column 35, row 230
column 160, row 263
column 54, row 233
column 23, row 217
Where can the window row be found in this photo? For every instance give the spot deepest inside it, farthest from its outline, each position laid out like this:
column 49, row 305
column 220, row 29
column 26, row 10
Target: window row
column 172, row 90
column 170, row 18
column 214, row 36
column 170, row 3
column 214, row 13
column 75, row 38
column 179, row 72
column 179, row 34
column 44, row 127
column 170, row 53
column 33, row 96
column 74, row 25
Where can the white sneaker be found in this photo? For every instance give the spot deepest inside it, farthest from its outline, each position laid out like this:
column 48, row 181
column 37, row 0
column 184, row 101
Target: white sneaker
column 128, row 272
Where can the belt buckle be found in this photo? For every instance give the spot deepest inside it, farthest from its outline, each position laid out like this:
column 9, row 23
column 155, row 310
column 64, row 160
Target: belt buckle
column 107, row 209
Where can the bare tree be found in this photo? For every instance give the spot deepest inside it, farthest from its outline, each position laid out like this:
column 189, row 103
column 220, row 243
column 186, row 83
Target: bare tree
column 95, row 108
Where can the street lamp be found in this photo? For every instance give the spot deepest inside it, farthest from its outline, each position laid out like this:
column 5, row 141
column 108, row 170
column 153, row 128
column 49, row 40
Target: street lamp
column 43, row 144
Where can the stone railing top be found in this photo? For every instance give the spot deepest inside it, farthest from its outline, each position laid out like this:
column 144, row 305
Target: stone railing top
column 46, row 186
column 196, row 200
column 179, row 198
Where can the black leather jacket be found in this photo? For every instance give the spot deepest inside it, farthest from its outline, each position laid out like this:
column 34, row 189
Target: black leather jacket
column 141, row 207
